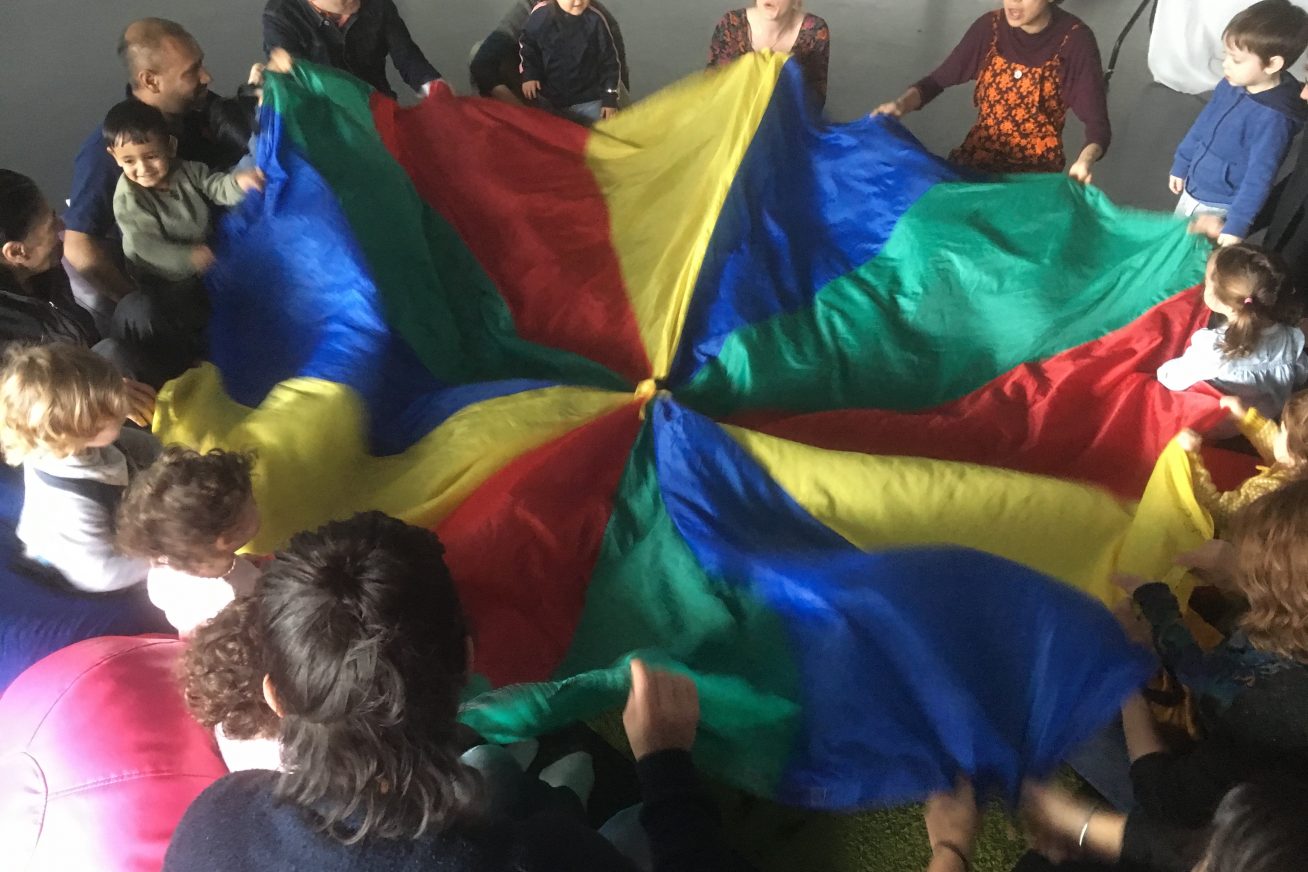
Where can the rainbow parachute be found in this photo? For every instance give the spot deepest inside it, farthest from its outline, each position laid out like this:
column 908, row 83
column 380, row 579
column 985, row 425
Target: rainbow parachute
column 846, row 436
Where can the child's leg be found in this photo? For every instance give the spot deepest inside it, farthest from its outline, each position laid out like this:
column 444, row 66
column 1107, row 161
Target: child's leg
column 1186, row 205
column 588, row 111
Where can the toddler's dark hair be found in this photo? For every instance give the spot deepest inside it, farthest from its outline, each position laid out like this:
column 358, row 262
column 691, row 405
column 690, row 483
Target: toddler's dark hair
column 1270, row 29
column 177, row 508
column 232, row 121
column 132, row 121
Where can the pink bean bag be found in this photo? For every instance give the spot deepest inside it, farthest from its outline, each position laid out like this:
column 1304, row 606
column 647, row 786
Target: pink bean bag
column 99, row 758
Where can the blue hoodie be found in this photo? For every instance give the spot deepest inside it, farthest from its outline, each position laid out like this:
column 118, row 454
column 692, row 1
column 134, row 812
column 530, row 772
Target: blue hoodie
column 1233, row 152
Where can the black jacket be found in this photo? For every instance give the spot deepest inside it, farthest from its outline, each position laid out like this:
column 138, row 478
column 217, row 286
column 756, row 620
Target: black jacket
column 574, row 57
column 49, row 313
column 1284, row 217
column 679, row 817
column 360, row 47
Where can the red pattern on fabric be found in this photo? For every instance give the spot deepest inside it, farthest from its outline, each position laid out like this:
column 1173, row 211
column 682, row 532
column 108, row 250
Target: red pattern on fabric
column 1020, row 115
column 515, row 184
column 523, row 546
column 1095, row 413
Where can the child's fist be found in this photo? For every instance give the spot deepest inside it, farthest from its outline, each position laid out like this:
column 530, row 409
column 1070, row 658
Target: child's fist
column 279, row 61
column 1207, row 225
column 1235, row 406
column 202, row 258
column 251, row 180
column 531, row 90
column 608, row 112
column 662, row 711
column 1189, row 440
column 1175, row 184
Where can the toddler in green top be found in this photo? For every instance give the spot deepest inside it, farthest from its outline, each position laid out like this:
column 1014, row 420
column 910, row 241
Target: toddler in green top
column 162, row 204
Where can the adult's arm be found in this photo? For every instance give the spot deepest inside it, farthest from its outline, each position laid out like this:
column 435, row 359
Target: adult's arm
column 96, row 261
column 409, row 60
column 680, row 817
column 817, row 61
column 280, row 32
column 89, row 220
column 720, row 46
column 1148, row 844
column 963, row 63
column 1084, row 89
column 1265, row 158
column 1184, row 788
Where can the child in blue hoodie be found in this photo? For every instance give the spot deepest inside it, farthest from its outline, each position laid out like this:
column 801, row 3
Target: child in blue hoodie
column 1227, row 163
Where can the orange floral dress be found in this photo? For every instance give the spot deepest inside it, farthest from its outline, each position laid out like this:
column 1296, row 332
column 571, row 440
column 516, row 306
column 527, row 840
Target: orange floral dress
column 1020, row 115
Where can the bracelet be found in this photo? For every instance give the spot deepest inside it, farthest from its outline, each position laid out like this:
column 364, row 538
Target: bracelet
column 1085, row 827
column 950, row 846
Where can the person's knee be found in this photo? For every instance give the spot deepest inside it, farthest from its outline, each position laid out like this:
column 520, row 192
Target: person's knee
column 135, row 318
column 495, row 55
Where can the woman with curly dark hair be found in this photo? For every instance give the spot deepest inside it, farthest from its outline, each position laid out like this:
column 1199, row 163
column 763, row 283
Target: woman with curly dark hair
column 365, row 654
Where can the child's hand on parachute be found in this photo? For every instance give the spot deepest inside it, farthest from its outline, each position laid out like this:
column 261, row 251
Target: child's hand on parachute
column 1189, row 440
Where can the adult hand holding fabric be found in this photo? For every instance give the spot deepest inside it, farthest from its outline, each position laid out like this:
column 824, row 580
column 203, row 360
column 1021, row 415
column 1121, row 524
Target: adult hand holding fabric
column 662, row 712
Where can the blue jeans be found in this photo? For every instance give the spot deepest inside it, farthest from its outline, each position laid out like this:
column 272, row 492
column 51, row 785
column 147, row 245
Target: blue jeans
column 1105, row 764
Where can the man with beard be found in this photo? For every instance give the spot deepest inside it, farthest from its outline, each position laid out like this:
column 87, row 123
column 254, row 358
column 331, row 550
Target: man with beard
column 165, row 69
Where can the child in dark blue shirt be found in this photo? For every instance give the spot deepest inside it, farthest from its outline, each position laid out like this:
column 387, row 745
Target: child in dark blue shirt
column 570, row 61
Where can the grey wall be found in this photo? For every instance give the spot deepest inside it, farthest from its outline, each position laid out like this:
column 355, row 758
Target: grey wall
column 60, row 74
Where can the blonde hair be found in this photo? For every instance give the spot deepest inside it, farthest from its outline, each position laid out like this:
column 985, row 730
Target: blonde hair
column 1270, row 536
column 56, row 399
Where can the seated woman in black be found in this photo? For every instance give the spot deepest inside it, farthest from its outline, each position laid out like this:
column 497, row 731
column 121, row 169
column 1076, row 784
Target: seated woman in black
column 367, row 652
column 36, row 301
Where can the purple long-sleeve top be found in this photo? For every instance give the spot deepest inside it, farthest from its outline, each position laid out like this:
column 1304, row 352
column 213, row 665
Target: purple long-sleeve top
column 1081, row 72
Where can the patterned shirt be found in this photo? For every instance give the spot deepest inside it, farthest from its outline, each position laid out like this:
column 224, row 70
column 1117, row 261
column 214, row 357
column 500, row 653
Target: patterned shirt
column 1221, row 506
column 733, row 39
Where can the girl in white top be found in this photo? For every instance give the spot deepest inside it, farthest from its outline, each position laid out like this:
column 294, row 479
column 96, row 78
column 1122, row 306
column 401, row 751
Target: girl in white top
column 1257, row 352
column 222, row 682
column 188, row 514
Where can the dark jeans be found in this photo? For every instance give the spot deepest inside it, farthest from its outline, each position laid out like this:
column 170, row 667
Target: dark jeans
column 496, row 63
column 158, row 333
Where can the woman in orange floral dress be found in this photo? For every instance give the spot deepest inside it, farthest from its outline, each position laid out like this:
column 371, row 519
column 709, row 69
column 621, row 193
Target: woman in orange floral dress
column 1032, row 62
